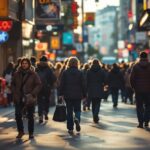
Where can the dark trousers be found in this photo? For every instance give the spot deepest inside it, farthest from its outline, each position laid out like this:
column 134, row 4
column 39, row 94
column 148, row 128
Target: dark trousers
column 19, row 108
column 96, row 106
column 43, row 104
column 143, row 107
column 129, row 94
column 114, row 93
column 73, row 105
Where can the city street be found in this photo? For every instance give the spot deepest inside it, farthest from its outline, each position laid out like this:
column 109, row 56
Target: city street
column 116, row 130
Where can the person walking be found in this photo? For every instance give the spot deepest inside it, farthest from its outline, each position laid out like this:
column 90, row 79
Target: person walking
column 140, row 82
column 115, row 83
column 72, row 90
column 25, row 87
column 95, row 86
column 47, row 78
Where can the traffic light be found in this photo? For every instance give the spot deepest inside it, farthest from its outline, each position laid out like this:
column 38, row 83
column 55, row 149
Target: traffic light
column 74, row 8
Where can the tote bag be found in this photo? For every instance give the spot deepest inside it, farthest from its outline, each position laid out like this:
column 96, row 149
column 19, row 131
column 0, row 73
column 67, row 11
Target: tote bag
column 60, row 113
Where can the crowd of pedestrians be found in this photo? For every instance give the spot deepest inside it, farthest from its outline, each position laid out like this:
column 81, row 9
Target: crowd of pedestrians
column 30, row 82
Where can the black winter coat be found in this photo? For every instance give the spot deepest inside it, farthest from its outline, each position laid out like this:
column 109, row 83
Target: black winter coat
column 140, row 77
column 115, row 79
column 95, row 82
column 72, row 84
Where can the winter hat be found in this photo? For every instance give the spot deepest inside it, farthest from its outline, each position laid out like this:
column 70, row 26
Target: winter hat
column 43, row 59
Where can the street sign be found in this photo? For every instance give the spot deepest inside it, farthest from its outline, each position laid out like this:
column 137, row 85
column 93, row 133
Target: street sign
column 5, row 25
column 3, row 37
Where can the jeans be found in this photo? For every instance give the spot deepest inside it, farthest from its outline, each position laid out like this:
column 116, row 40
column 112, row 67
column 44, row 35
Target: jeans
column 19, row 108
column 143, row 107
column 73, row 105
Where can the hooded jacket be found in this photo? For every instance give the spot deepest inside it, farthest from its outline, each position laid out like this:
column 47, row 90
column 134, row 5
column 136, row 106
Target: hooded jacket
column 140, row 76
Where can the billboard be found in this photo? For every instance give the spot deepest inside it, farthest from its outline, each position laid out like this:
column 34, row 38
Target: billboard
column 47, row 10
column 67, row 38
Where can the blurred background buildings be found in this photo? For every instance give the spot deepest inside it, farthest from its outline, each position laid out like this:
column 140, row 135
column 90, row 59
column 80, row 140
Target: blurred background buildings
column 64, row 28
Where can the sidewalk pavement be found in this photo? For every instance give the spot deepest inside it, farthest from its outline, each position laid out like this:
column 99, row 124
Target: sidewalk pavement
column 5, row 111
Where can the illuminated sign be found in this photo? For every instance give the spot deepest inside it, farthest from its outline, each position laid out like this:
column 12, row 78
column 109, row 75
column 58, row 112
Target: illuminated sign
column 5, row 25
column 41, row 46
column 67, row 38
column 55, row 42
column 3, row 37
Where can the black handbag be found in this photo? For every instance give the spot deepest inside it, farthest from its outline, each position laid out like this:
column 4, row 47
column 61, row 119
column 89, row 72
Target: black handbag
column 60, row 113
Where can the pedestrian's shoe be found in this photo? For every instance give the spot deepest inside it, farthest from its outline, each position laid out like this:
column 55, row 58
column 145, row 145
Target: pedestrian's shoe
column 140, row 125
column 146, row 124
column 46, row 117
column 70, row 132
column 20, row 135
column 89, row 108
column 84, row 108
column 31, row 136
column 40, row 120
column 96, row 119
column 115, row 106
column 78, row 128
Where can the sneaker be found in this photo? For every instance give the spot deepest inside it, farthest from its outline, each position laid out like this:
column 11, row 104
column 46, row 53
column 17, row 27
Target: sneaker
column 78, row 128
column 31, row 136
column 20, row 135
column 70, row 132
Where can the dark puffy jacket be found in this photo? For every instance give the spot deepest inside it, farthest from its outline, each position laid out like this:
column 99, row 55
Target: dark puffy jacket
column 115, row 79
column 140, row 76
column 72, row 84
column 95, row 82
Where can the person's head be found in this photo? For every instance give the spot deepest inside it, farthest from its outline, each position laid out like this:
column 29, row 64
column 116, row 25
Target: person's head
column 43, row 59
column 86, row 66
column 25, row 63
column 143, row 55
column 18, row 61
column 96, row 62
column 73, row 62
column 33, row 60
column 10, row 65
column 58, row 65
